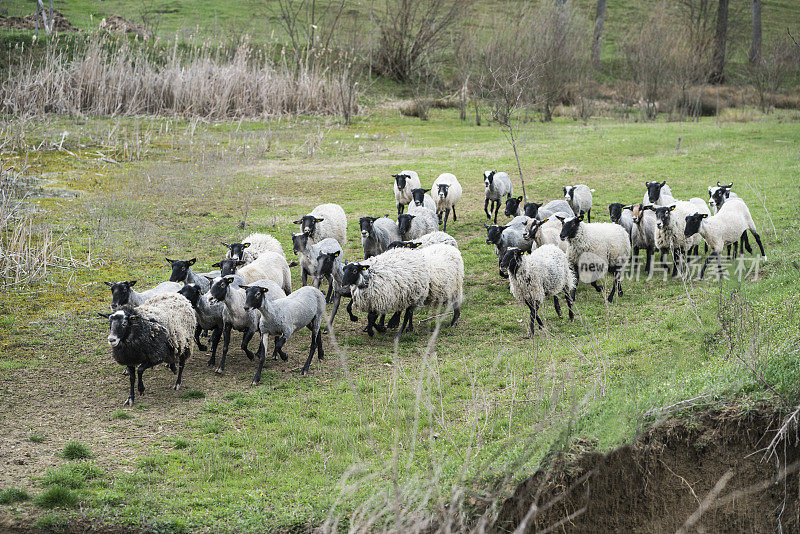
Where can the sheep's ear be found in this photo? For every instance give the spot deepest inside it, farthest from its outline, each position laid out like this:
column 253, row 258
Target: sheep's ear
column 336, row 254
column 672, row 207
column 109, row 284
column 628, row 207
column 209, row 278
column 245, row 245
column 239, row 263
column 244, row 287
column 133, row 317
column 228, row 279
column 297, row 221
column 485, row 225
column 363, row 267
column 560, row 218
column 263, row 290
column 580, row 217
column 104, row 315
column 543, row 221
column 218, row 264
column 169, row 261
column 426, row 190
column 293, row 264
column 729, row 186
column 503, row 227
column 191, row 262
column 705, row 216
column 131, row 283
column 663, row 183
column 718, row 184
column 519, row 199
column 225, row 245
column 317, row 219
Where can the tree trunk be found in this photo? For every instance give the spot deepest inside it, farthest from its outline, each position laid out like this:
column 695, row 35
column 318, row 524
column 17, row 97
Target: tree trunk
column 597, row 43
column 720, row 40
column 477, row 114
column 548, row 116
column 755, row 44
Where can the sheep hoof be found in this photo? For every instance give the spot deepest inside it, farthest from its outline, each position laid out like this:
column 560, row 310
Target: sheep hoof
column 211, row 362
column 250, row 355
column 219, row 370
column 254, row 383
column 173, row 368
column 284, row 356
column 177, row 386
column 125, row 372
column 129, row 402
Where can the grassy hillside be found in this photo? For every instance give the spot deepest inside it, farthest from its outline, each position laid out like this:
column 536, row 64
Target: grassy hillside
column 485, row 402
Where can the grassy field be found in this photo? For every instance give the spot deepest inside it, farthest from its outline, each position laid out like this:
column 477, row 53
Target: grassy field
column 481, row 405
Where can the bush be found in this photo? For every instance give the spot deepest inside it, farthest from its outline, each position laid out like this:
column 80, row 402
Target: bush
column 75, row 450
column 12, row 495
column 57, row 497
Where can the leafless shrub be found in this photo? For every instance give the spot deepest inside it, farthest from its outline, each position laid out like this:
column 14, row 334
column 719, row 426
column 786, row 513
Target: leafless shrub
column 412, row 31
column 777, row 62
column 110, row 77
column 310, row 25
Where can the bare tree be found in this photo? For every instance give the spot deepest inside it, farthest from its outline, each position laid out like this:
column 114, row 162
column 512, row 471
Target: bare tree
column 771, row 71
column 310, row 24
column 755, row 43
column 597, row 41
column 47, row 19
column 410, row 31
column 720, row 42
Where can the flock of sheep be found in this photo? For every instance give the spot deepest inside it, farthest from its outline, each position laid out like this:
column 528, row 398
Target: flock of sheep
column 407, row 264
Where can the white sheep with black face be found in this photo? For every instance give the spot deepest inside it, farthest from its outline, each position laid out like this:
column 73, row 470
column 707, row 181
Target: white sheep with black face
column 545, row 232
column 309, row 253
column 621, row 215
column 376, row 234
column 658, row 194
column 208, row 317
column 496, row 186
column 447, row 193
column 392, row 282
column 251, row 246
column 331, row 265
column 718, row 194
column 157, row 331
column 509, row 235
column 182, row 272
column 434, row 238
column 404, row 183
column 539, row 210
column 326, row 220
column 670, row 226
column 579, row 198
column 414, row 225
column 533, row 277
column 269, row 265
column 728, row 226
column 643, row 233
column 421, row 199
column 597, row 248
column 122, row 293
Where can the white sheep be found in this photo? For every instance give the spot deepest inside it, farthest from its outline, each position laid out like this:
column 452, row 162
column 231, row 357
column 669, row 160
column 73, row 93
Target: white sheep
column 404, row 182
column 392, row 282
column 496, row 186
column 182, row 272
column 658, row 193
column 282, row 317
column 157, row 331
column 434, row 238
column 545, row 232
column 122, row 293
column 448, row 192
column 643, row 233
column 538, row 210
column 208, row 317
column 726, row 227
column 509, row 235
column 543, row 273
column 415, row 224
column 269, row 265
column 422, row 200
column 670, row 226
column 253, row 245
column 579, row 198
column 330, row 265
column 717, row 195
column 621, row 215
column 597, row 248
column 376, row 234
column 309, row 253
column 446, row 268
column 326, row 220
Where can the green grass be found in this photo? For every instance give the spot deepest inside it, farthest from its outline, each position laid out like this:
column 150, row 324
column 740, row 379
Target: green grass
column 121, row 415
column 57, row 497
column 192, row 394
column 249, row 459
column 75, row 450
column 72, row 475
column 12, row 495
column 36, row 438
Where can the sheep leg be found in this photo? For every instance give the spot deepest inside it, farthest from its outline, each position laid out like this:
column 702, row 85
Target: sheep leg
column 226, row 340
column 569, row 298
column 675, row 259
column 279, row 345
column 496, row 210
column 446, row 215
column 320, row 352
column 400, row 208
column 393, row 321
column 557, row 306
column 262, row 356
column 735, row 249
column 246, row 337
column 760, row 246
column 311, row 350
column 215, row 335
column 329, row 295
column 454, row 214
column 705, row 264
column 303, row 277
column 728, row 250
column 648, row 260
column 140, row 371
column 486, row 208
column 371, row 323
column 197, row 331
column 353, row 318
column 745, row 243
column 132, row 377
column 408, row 321
column 456, row 315
column 336, row 300
column 589, row 215
column 597, row 287
column 181, row 365
column 274, row 350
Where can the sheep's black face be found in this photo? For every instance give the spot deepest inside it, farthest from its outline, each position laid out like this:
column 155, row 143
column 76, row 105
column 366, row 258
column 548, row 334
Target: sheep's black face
column 219, row 289
column 325, row 262
column 663, row 215
column 531, row 209
column 395, row 244
column 365, row 224
column 493, row 234
column 511, row 260
column 180, row 269
column 418, row 195
column 637, row 212
column 654, row 190
column 530, row 232
column 615, row 211
column 192, row 293
column 308, row 223
column 443, row 188
column 253, row 297
column 721, row 195
column 119, row 324
column 570, row 228
column 228, row 266
column 693, row 224
column 404, row 222
column 299, row 242
column 237, row 250
column 512, row 206
column 352, row 273
column 400, row 180
column 569, row 193
column 120, row 292
column 488, row 178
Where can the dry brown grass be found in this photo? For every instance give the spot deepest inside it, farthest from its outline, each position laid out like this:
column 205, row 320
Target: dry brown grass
column 113, row 77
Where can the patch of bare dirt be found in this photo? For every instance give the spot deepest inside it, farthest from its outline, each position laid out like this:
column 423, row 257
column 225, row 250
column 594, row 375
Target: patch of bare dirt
column 28, row 22
column 659, row 481
column 121, row 26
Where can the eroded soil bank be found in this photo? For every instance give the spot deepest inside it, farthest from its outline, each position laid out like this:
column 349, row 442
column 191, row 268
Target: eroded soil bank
column 658, row 482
